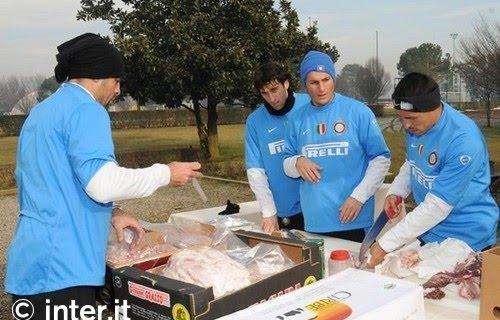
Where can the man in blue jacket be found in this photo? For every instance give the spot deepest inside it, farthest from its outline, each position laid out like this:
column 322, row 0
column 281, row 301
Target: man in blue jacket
column 68, row 178
column 446, row 169
column 277, row 194
column 337, row 149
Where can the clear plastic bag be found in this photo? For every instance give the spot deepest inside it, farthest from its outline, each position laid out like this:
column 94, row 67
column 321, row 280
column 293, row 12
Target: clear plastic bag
column 152, row 245
column 221, row 261
column 183, row 233
column 232, row 223
column 206, row 267
column 265, row 260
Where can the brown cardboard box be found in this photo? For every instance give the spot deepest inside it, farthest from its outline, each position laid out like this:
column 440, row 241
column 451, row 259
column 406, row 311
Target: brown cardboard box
column 151, row 296
column 490, row 285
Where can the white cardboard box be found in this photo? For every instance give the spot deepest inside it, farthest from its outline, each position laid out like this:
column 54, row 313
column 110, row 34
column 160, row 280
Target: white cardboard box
column 351, row 294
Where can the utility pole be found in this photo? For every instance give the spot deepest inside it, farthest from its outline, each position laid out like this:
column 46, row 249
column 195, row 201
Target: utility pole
column 454, row 37
column 456, row 83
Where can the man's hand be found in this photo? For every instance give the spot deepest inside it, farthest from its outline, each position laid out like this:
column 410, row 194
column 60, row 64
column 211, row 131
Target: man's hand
column 269, row 224
column 182, row 172
column 121, row 221
column 377, row 255
column 309, row 171
column 393, row 206
column 350, row 210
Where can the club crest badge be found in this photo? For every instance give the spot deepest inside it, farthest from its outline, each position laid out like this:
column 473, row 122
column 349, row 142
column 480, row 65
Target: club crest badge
column 322, row 128
column 339, row 127
column 433, row 158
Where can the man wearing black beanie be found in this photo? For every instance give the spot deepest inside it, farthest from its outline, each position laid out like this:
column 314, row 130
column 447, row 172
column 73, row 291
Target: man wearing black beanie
column 446, row 170
column 68, row 179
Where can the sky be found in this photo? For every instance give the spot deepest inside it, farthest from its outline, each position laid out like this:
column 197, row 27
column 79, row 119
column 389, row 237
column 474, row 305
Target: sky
column 30, row 30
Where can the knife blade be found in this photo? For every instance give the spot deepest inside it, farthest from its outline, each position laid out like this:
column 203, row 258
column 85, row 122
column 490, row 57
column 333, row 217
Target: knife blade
column 371, row 236
column 199, row 190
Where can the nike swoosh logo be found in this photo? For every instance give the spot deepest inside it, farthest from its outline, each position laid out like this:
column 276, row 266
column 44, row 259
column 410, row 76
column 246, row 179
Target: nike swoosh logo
column 414, row 145
column 271, row 130
column 306, row 132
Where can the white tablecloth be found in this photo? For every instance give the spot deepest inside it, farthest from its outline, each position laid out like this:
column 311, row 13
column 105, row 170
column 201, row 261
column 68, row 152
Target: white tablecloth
column 451, row 307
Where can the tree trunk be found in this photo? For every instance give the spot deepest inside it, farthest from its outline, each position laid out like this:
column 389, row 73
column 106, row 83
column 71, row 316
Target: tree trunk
column 213, row 138
column 488, row 110
column 202, row 131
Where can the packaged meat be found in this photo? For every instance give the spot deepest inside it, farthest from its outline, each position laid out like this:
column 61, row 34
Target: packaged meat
column 153, row 245
column 206, row 267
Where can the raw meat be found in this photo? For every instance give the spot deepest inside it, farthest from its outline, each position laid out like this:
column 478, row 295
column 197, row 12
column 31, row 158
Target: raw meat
column 466, row 274
column 206, row 267
column 434, row 293
column 151, row 246
column 409, row 259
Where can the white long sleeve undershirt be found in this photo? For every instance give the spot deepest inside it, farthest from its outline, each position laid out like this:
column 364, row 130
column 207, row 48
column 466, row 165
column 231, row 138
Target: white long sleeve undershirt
column 373, row 179
column 259, row 184
column 401, row 186
column 290, row 168
column 113, row 183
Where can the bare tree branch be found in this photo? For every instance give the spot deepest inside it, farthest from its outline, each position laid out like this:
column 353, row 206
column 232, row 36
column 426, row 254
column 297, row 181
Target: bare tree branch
column 480, row 65
column 372, row 81
column 19, row 92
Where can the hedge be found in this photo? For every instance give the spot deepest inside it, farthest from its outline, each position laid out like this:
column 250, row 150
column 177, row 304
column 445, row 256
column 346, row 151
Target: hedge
column 11, row 125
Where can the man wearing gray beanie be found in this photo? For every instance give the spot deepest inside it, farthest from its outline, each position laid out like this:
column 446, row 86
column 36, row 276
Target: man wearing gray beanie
column 68, row 178
column 336, row 147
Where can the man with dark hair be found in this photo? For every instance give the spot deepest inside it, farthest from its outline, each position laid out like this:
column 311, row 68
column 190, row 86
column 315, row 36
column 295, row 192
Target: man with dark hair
column 277, row 194
column 335, row 145
column 446, row 169
column 68, row 179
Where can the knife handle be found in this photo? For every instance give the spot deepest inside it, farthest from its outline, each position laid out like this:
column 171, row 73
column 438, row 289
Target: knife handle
column 394, row 212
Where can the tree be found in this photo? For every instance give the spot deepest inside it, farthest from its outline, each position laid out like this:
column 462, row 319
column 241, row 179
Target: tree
column 427, row 59
column 204, row 49
column 480, row 67
column 346, row 80
column 47, row 87
column 19, row 92
column 372, row 81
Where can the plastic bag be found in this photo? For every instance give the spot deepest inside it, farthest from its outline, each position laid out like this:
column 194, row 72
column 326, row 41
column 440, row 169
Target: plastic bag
column 401, row 262
column 221, row 261
column 151, row 246
column 425, row 261
column 265, row 260
column 206, row 267
column 182, row 233
column 233, row 223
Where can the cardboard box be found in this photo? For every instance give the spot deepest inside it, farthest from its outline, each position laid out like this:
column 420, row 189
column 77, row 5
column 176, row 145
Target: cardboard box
column 351, row 294
column 151, row 296
column 490, row 285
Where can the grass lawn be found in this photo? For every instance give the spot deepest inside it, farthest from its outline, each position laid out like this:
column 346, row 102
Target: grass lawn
column 230, row 142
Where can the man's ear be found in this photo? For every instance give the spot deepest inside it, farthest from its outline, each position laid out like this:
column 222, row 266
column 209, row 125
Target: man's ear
column 286, row 84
